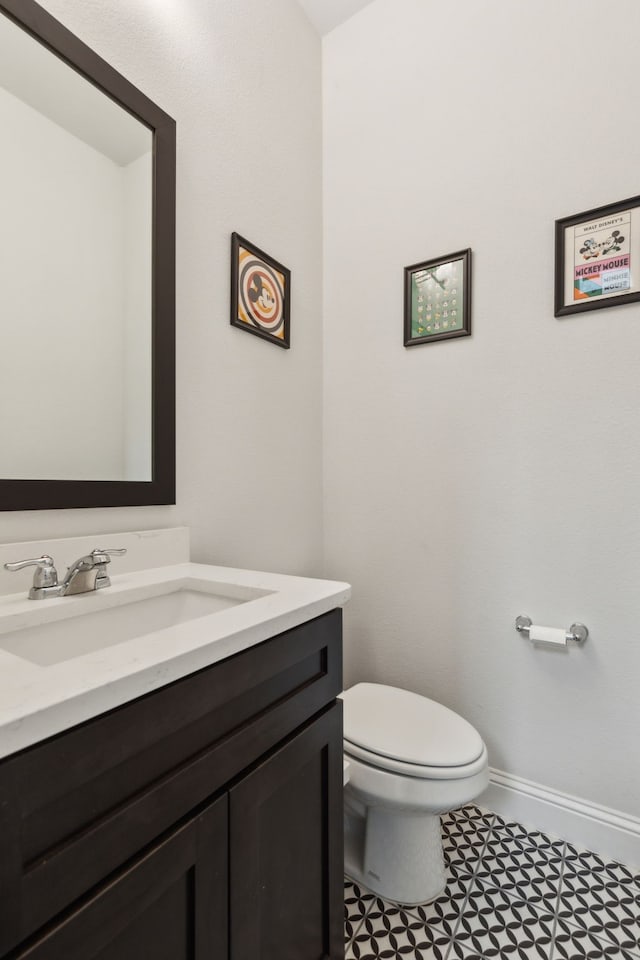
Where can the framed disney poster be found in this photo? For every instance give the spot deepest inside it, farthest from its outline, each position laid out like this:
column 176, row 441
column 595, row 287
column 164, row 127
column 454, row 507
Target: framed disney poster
column 437, row 299
column 260, row 293
column 597, row 261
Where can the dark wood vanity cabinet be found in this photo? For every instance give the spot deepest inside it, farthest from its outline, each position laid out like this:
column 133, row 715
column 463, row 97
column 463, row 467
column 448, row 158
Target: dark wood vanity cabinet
column 202, row 821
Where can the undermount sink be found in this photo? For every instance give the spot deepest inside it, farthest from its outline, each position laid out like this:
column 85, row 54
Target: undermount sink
column 90, row 631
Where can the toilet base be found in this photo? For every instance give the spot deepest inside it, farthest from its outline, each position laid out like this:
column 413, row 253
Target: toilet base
column 397, row 855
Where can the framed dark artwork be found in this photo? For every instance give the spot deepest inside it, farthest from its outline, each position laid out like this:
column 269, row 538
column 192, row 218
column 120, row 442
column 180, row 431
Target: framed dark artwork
column 260, row 292
column 597, row 260
column 437, row 299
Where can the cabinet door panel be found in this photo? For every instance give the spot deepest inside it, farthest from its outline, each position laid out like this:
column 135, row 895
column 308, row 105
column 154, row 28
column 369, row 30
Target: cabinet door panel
column 286, row 850
column 171, row 904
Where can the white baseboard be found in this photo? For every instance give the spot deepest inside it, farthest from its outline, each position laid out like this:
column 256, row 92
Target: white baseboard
column 609, row 833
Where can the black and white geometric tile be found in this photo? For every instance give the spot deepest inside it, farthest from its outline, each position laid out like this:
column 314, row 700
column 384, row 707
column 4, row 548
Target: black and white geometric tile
column 510, row 894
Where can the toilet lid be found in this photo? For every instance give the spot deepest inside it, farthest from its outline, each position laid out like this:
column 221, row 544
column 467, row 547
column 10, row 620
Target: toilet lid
column 405, row 726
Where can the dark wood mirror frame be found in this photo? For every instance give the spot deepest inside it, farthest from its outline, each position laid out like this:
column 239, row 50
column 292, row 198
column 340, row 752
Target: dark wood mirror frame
column 54, row 494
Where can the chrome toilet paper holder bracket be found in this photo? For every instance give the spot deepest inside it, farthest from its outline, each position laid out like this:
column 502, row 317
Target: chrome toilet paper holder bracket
column 576, row 632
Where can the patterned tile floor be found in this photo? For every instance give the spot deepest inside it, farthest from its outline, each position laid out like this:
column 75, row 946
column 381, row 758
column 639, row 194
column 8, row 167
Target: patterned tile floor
column 510, row 893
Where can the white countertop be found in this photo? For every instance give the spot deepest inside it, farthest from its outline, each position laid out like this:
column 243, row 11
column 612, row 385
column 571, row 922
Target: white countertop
column 37, row 701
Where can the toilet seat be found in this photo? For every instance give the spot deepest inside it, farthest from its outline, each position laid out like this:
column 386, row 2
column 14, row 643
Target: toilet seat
column 419, row 771
column 396, row 730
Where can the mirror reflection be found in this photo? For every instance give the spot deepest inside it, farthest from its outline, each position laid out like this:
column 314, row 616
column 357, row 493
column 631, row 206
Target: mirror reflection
column 75, row 274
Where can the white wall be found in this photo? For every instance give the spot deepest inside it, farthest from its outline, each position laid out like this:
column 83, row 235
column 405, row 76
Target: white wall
column 242, row 80
column 473, row 480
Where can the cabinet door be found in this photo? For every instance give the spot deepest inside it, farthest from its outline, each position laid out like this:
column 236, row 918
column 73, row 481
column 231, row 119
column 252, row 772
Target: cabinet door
column 171, row 904
column 286, row 853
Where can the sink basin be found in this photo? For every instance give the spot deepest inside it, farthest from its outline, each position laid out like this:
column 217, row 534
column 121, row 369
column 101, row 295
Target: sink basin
column 94, row 630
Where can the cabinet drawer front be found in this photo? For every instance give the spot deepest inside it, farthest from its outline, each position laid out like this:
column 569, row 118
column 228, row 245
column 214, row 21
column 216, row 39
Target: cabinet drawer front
column 77, row 806
column 171, row 904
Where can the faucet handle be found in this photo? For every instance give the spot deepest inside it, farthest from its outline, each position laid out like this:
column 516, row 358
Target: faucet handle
column 103, row 556
column 45, row 575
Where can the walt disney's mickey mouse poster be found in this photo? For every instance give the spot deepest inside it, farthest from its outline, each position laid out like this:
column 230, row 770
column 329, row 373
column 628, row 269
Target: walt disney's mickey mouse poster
column 598, row 257
column 602, row 257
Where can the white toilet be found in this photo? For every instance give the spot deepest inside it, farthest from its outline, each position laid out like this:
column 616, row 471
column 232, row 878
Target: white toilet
column 409, row 760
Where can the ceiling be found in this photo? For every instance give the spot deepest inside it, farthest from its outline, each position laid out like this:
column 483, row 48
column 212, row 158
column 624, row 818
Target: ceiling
column 327, row 14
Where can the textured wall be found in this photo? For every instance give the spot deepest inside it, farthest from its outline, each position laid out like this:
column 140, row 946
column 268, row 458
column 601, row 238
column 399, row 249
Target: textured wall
column 470, row 481
column 242, row 80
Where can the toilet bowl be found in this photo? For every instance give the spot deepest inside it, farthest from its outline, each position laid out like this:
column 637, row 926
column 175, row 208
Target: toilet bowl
column 410, row 760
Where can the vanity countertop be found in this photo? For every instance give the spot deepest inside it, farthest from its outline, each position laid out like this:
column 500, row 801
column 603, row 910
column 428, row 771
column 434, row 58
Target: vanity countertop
column 38, row 700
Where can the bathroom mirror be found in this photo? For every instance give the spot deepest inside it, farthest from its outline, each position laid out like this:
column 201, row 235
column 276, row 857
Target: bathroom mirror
column 87, row 268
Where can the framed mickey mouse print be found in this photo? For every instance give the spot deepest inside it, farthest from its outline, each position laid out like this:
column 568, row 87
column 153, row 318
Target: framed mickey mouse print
column 598, row 258
column 260, row 293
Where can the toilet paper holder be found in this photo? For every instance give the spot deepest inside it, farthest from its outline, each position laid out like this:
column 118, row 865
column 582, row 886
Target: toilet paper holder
column 576, row 632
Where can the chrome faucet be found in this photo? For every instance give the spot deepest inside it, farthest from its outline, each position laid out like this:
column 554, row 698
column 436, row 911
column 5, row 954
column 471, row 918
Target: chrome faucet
column 86, row 574
column 89, row 573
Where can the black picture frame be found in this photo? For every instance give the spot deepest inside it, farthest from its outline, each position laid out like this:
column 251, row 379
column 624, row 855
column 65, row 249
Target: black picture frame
column 161, row 489
column 441, row 313
column 594, row 254
column 260, row 293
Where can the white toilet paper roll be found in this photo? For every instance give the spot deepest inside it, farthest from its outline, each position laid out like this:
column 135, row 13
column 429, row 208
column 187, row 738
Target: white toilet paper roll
column 548, row 635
